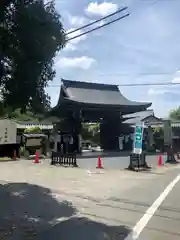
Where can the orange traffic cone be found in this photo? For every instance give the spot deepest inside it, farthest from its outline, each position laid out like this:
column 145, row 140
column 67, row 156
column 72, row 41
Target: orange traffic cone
column 160, row 161
column 99, row 165
column 36, row 157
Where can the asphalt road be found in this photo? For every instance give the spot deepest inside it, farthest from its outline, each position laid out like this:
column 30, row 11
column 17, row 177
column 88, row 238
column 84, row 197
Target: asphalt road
column 165, row 224
column 39, row 201
column 118, row 162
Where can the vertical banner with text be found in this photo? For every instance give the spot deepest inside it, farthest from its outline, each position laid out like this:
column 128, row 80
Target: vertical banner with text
column 138, row 138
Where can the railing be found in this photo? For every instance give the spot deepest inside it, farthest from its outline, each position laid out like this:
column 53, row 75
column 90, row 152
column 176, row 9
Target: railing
column 68, row 159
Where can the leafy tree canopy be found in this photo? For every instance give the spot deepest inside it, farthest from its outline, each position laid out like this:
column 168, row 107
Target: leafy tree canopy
column 33, row 130
column 31, row 33
column 18, row 116
column 175, row 114
column 91, row 132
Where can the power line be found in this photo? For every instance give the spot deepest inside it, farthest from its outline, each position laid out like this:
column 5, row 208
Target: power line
column 96, row 21
column 138, row 74
column 149, row 84
column 135, row 84
column 106, row 24
column 120, row 10
column 94, row 29
column 101, row 19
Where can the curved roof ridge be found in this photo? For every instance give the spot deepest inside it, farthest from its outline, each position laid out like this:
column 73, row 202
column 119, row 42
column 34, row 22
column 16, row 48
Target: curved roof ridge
column 97, row 86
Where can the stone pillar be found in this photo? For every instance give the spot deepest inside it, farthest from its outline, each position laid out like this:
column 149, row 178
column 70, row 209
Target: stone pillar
column 167, row 133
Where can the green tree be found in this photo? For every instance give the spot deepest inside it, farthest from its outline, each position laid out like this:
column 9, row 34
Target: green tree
column 33, row 130
column 175, row 114
column 158, row 132
column 31, row 35
column 91, row 132
column 18, row 115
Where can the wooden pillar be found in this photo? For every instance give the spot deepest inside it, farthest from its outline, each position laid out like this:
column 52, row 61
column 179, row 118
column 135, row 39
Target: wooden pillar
column 109, row 133
column 77, row 126
column 55, row 137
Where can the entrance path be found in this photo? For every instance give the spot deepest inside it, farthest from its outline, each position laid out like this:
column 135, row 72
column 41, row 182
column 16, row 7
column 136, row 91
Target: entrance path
column 39, row 201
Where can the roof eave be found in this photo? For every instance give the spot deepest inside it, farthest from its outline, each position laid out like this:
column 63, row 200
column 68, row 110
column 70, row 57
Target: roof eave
column 134, row 104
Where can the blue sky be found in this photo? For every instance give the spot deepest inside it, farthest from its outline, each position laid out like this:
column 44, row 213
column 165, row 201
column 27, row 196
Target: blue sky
column 143, row 47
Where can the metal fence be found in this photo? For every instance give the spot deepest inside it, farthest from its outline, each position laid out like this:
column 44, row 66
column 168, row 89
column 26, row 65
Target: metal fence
column 68, row 159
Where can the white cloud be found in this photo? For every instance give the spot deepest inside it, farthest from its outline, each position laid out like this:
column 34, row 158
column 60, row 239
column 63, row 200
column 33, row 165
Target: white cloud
column 77, row 21
column 72, row 44
column 70, row 47
column 83, row 62
column 101, row 9
column 176, row 79
column 99, row 24
column 154, row 91
column 160, row 90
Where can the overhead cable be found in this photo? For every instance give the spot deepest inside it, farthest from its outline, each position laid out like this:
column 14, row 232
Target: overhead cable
column 96, row 21
column 135, row 84
column 99, row 27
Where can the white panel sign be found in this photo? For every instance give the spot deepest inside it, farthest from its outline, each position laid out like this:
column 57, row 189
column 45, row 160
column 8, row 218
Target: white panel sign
column 8, row 132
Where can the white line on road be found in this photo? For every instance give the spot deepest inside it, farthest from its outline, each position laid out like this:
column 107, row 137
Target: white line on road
column 141, row 224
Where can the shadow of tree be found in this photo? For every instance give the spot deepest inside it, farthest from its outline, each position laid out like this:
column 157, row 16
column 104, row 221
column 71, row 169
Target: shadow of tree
column 85, row 229
column 29, row 211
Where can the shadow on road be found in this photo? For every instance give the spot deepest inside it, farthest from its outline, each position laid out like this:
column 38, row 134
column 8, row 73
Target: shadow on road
column 29, row 211
column 85, row 229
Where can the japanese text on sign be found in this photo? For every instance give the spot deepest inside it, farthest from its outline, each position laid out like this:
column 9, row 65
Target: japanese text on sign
column 138, row 138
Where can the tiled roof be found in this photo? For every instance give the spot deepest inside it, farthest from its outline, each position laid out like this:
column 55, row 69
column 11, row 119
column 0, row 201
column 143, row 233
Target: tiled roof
column 138, row 116
column 95, row 93
column 142, row 115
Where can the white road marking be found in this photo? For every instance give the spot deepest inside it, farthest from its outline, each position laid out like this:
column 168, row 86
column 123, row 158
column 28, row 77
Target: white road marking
column 141, row 224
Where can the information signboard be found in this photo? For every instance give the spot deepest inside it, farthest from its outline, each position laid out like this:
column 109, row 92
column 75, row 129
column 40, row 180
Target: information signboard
column 138, row 138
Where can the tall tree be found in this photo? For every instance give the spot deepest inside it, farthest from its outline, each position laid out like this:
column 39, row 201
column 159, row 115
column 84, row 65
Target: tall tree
column 32, row 34
column 175, row 114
